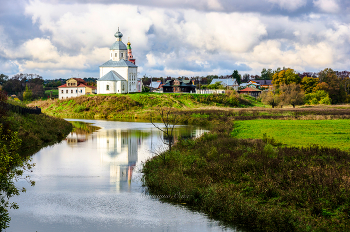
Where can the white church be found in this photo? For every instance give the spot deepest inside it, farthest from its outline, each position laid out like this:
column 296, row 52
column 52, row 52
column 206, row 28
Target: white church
column 119, row 74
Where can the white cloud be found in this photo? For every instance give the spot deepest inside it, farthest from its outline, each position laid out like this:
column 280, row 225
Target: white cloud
column 290, row 5
column 329, row 6
column 177, row 41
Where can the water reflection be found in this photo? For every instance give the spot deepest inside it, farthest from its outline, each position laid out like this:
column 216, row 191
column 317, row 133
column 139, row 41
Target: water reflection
column 90, row 182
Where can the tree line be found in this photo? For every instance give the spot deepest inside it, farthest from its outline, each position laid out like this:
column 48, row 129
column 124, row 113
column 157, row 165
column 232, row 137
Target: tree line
column 290, row 89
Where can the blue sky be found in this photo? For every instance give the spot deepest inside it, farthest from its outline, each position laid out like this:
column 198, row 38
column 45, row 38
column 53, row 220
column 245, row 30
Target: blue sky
column 61, row 39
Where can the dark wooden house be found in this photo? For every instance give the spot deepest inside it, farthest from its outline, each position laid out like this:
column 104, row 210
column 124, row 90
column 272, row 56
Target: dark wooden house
column 179, row 86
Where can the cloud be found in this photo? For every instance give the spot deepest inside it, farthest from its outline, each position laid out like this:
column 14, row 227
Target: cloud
column 329, row 6
column 288, row 4
column 177, row 37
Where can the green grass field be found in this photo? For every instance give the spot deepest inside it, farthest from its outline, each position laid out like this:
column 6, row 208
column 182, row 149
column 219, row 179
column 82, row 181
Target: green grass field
column 54, row 92
column 328, row 133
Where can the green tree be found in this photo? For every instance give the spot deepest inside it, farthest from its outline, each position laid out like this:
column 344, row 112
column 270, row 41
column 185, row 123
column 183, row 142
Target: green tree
column 317, row 97
column 292, row 95
column 308, row 84
column 285, row 77
column 12, row 166
column 266, row 74
column 27, row 94
column 3, row 79
column 237, row 76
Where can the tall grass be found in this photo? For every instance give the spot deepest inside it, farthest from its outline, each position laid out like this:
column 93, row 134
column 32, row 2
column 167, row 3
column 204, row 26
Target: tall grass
column 255, row 184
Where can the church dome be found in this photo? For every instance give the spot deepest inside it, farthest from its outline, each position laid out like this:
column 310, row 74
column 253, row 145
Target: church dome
column 118, row 34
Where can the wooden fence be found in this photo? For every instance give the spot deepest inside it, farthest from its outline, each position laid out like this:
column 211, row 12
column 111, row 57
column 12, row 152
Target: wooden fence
column 20, row 109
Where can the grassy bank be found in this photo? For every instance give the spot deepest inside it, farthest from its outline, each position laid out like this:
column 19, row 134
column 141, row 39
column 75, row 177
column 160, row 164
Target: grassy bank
column 329, row 133
column 253, row 184
column 35, row 131
column 138, row 105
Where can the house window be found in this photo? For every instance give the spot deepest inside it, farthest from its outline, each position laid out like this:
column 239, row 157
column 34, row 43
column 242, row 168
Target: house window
column 121, row 55
column 122, row 87
column 107, row 87
column 81, row 91
column 71, row 91
column 67, row 91
column 76, row 91
column 111, row 55
column 62, row 91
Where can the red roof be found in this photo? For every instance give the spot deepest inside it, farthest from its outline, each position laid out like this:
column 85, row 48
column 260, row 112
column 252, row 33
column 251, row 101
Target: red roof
column 248, row 89
column 80, row 85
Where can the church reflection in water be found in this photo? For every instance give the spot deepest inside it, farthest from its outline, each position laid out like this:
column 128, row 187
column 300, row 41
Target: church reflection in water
column 119, row 149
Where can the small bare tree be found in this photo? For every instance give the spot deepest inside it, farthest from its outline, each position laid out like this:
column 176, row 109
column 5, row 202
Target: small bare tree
column 170, row 120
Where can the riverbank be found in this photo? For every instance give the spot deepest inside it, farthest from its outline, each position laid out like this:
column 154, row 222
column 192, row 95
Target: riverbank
column 35, row 130
column 254, row 183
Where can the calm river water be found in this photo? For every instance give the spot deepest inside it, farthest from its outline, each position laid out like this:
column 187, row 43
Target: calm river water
column 91, row 182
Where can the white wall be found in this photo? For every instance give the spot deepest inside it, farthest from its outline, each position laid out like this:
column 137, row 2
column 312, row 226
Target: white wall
column 77, row 91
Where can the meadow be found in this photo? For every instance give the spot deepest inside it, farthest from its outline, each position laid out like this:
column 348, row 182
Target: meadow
column 299, row 133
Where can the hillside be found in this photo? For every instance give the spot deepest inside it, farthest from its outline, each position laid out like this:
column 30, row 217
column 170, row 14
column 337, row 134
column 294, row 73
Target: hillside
column 137, row 105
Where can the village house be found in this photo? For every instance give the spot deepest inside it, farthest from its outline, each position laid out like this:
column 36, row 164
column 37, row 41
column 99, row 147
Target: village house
column 179, row 86
column 250, row 91
column 75, row 87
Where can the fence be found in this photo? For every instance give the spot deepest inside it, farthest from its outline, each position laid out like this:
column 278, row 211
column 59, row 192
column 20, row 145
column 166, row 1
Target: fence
column 210, row 91
column 20, row 109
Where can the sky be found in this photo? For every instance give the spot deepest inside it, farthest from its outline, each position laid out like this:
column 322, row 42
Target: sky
column 71, row 38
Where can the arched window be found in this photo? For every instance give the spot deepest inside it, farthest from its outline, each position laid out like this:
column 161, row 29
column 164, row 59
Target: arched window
column 121, row 55
column 107, row 87
column 116, row 54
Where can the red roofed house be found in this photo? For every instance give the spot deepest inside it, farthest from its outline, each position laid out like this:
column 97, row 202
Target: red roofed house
column 251, row 91
column 75, row 87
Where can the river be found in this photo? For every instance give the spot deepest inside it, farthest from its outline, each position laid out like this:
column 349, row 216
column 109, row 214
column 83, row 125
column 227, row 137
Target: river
column 92, row 182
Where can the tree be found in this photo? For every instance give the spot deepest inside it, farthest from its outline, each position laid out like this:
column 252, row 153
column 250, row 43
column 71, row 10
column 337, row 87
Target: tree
column 27, row 94
column 292, row 95
column 237, row 76
column 309, row 83
column 317, row 97
column 335, row 86
column 286, row 77
column 270, row 98
column 169, row 120
column 246, row 77
column 266, row 74
column 3, row 79
column 12, row 166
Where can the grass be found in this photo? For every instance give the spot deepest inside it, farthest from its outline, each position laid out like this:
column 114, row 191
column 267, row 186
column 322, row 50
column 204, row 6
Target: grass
column 255, row 184
column 35, row 131
column 300, row 133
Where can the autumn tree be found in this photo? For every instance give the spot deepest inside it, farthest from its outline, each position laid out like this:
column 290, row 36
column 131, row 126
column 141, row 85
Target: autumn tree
column 285, row 77
column 291, row 95
column 333, row 85
column 270, row 98
column 309, row 83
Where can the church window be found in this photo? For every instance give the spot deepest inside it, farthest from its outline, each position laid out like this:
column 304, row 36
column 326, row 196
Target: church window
column 121, row 55
column 115, row 54
column 111, row 55
column 107, row 87
column 123, row 87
